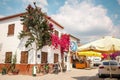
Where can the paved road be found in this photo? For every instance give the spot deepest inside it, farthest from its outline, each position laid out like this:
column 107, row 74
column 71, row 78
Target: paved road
column 74, row 74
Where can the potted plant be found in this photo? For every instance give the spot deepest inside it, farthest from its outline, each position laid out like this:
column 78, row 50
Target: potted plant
column 13, row 65
column 4, row 70
column 15, row 71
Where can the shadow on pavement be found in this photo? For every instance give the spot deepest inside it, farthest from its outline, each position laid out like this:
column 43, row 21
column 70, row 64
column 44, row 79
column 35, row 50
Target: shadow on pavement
column 93, row 78
column 88, row 78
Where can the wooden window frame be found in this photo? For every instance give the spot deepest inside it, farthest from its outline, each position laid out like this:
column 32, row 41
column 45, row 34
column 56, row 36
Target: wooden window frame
column 56, row 57
column 24, row 57
column 56, row 32
column 11, row 28
column 25, row 28
column 44, row 57
column 8, row 57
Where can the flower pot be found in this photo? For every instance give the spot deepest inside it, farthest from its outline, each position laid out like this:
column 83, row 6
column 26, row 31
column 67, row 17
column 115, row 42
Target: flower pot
column 15, row 71
column 4, row 71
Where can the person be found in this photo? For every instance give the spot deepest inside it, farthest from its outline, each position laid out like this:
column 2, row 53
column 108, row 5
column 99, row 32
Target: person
column 59, row 67
column 73, row 60
column 56, row 68
column 88, row 61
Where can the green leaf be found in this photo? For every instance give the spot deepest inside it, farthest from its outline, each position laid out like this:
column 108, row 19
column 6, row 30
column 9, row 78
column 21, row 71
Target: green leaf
column 38, row 26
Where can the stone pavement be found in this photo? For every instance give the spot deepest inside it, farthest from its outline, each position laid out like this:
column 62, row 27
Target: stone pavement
column 74, row 74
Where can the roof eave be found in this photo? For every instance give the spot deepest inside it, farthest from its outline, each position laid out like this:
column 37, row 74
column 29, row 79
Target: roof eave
column 20, row 14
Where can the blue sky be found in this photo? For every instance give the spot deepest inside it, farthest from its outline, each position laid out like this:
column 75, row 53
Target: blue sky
column 86, row 19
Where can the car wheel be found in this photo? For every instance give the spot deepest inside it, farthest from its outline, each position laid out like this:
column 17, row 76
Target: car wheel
column 100, row 76
column 118, row 78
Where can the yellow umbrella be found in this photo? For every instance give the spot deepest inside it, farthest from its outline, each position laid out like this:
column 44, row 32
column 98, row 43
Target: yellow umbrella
column 107, row 44
column 89, row 53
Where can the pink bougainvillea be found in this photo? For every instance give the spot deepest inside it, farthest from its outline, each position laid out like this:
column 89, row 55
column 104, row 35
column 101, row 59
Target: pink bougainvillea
column 55, row 41
column 64, row 42
column 51, row 26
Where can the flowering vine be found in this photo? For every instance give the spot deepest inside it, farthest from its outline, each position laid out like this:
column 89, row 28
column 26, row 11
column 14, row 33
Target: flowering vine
column 55, row 41
column 64, row 42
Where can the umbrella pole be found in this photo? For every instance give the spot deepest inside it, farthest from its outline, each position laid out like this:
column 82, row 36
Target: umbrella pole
column 113, row 50
column 113, row 47
column 110, row 67
column 110, row 70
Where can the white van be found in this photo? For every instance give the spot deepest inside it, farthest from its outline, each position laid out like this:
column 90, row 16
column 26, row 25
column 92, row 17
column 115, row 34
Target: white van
column 96, row 61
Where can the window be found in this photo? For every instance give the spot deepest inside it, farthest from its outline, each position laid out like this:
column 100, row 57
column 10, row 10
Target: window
column 25, row 28
column 109, row 63
column 55, row 58
column 65, row 58
column 11, row 29
column 24, row 57
column 44, row 57
column 56, row 32
column 8, row 57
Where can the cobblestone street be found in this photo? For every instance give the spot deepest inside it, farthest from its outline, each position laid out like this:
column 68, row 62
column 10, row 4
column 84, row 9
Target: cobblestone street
column 74, row 74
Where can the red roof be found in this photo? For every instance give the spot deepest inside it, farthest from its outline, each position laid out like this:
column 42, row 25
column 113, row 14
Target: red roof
column 20, row 14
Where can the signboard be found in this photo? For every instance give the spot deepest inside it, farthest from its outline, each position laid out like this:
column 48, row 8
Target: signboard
column 73, row 46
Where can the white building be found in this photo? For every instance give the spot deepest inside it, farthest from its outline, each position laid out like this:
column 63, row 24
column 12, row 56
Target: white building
column 10, row 27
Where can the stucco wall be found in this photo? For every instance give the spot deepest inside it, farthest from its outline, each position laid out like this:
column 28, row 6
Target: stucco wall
column 14, row 45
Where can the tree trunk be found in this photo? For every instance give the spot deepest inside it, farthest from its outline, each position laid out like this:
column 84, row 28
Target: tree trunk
column 35, row 65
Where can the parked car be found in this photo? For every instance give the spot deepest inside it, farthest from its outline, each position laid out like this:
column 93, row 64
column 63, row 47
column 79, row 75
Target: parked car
column 96, row 61
column 109, row 68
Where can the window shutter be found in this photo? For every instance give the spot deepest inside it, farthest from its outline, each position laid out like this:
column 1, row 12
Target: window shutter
column 56, row 32
column 24, row 57
column 11, row 29
column 55, row 58
column 44, row 57
column 8, row 57
column 25, row 28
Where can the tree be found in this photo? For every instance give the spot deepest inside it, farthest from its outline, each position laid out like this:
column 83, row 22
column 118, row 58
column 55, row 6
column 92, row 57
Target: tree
column 38, row 29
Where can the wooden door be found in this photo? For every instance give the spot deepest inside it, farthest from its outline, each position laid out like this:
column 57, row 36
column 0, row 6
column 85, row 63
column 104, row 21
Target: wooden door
column 8, row 57
column 24, row 57
column 55, row 58
column 44, row 56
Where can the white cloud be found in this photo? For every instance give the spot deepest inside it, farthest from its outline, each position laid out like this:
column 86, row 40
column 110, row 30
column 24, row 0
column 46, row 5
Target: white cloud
column 116, row 16
column 84, row 19
column 115, row 32
column 118, row 2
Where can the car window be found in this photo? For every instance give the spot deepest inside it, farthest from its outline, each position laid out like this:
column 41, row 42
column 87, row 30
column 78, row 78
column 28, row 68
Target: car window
column 111, row 63
column 105, row 63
